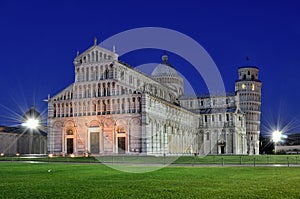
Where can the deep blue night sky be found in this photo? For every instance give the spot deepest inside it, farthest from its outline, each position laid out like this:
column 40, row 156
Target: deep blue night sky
column 38, row 42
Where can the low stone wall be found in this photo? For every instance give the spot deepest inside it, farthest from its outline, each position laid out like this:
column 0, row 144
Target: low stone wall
column 12, row 143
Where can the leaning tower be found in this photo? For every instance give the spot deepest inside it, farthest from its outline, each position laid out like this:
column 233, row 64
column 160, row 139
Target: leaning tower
column 248, row 87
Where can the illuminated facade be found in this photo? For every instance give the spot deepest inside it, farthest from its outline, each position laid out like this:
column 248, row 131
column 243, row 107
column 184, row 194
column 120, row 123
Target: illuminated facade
column 111, row 108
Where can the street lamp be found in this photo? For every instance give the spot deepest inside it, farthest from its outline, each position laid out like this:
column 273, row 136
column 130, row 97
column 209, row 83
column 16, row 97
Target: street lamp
column 276, row 136
column 32, row 119
column 31, row 123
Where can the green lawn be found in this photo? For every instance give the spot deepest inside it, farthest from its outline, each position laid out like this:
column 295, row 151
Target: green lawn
column 23, row 180
column 237, row 159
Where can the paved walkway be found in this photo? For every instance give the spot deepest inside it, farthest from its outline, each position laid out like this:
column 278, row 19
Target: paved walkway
column 163, row 165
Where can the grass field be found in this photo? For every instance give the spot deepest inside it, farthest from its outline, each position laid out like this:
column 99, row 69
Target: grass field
column 23, row 180
column 244, row 159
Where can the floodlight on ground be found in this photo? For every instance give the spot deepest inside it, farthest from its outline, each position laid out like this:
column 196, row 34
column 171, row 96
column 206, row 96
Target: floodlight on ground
column 2, row 154
column 276, row 136
column 31, row 123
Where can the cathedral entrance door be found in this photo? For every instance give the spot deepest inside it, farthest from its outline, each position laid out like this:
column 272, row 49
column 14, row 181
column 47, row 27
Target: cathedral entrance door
column 222, row 149
column 121, row 145
column 70, row 145
column 94, row 142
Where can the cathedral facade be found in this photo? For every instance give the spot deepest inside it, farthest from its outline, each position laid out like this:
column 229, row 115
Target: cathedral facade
column 111, row 108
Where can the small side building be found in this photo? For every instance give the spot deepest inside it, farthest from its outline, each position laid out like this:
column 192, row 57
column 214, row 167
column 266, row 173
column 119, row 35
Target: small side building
column 290, row 145
column 23, row 140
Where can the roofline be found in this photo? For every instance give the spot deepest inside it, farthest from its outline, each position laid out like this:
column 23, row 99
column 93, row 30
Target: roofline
column 241, row 67
column 248, row 80
column 207, row 95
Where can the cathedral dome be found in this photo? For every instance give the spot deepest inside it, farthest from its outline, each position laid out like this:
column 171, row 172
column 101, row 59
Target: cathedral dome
column 167, row 75
column 164, row 69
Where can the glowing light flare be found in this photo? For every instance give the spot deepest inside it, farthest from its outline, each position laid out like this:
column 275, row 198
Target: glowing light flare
column 276, row 136
column 31, row 123
column 243, row 86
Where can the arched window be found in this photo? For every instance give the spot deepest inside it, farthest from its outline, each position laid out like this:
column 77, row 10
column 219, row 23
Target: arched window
column 227, row 101
column 227, row 117
column 87, row 74
column 93, row 56
column 71, row 109
column 104, row 91
column 84, row 108
column 104, row 107
column 98, row 90
column 54, row 110
column 243, row 86
column 98, row 107
column 106, row 74
column 97, row 73
column 77, row 74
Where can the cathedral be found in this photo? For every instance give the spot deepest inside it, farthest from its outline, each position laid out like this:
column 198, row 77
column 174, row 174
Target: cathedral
column 112, row 108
